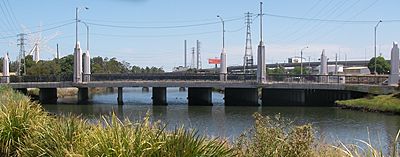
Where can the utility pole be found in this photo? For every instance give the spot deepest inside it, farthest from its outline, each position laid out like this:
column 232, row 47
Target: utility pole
column 248, row 52
column 198, row 54
column 261, row 68
column 58, row 52
column 223, row 72
column 336, row 67
column 21, row 57
column 185, row 53
column 375, row 28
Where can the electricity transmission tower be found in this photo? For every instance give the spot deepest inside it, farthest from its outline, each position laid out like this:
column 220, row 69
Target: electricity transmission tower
column 199, row 65
column 193, row 59
column 21, row 57
column 248, row 53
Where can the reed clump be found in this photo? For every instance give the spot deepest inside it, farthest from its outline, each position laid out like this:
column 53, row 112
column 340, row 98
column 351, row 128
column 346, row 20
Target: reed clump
column 27, row 130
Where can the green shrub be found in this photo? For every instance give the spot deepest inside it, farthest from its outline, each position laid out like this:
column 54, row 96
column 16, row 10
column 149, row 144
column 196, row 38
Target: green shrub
column 274, row 138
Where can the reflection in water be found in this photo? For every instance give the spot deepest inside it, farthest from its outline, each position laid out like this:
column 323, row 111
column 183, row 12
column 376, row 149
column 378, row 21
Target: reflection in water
column 218, row 120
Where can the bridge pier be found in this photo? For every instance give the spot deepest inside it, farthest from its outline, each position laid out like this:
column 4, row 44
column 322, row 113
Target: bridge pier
column 159, row 96
column 199, row 96
column 145, row 89
column 284, row 97
column 120, row 98
column 83, row 95
column 182, row 89
column 48, row 95
column 241, row 97
column 22, row 90
column 305, row 97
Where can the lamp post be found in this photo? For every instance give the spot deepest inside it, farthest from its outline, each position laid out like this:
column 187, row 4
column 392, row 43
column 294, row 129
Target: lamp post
column 87, row 34
column 376, row 27
column 223, row 70
column 223, row 31
column 77, row 20
column 301, row 60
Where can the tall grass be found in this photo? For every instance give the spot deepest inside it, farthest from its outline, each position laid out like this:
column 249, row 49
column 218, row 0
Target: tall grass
column 273, row 137
column 27, row 130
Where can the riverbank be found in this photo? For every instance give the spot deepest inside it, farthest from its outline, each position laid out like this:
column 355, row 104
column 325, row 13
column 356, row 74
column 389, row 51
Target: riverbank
column 66, row 92
column 382, row 103
column 27, row 130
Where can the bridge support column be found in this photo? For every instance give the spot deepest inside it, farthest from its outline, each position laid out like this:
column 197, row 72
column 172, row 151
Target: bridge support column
column 200, row 96
column 145, row 89
column 284, row 97
column 83, row 95
column 22, row 90
column 48, row 95
column 159, row 96
column 241, row 97
column 182, row 89
column 120, row 98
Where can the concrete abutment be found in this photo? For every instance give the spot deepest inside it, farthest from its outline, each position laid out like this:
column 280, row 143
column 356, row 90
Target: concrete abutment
column 241, row 97
column 305, row 97
column 199, row 96
column 83, row 95
column 48, row 95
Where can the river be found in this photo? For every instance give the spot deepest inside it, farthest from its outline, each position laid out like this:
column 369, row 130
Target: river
column 330, row 123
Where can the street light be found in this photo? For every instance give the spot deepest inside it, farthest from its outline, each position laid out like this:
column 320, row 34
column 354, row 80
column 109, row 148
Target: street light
column 223, row 31
column 223, row 70
column 376, row 27
column 301, row 60
column 87, row 34
column 77, row 9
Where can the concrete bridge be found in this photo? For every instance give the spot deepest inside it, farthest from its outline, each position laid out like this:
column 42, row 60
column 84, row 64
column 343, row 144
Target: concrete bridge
column 240, row 90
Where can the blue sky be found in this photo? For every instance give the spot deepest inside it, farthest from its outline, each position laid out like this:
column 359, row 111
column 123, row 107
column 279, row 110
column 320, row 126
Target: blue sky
column 163, row 47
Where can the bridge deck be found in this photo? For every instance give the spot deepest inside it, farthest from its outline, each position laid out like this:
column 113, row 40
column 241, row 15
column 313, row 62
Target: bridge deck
column 375, row 89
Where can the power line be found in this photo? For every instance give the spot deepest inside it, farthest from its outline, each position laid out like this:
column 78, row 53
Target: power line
column 11, row 12
column 6, row 18
column 44, row 30
column 42, row 25
column 317, row 27
column 369, row 6
column 161, row 27
column 152, row 22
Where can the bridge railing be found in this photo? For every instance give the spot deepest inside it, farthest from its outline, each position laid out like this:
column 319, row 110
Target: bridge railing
column 285, row 78
column 41, row 78
column 348, row 79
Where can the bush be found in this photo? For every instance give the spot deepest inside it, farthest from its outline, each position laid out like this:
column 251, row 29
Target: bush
column 274, row 137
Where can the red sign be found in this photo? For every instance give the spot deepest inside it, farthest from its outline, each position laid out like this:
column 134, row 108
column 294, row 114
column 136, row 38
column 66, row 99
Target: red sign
column 214, row 61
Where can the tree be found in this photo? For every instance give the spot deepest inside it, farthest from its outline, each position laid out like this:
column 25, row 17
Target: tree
column 277, row 70
column 66, row 64
column 297, row 71
column 382, row 66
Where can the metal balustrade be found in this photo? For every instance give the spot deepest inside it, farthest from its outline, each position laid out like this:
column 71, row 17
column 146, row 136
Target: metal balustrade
column 284, row 78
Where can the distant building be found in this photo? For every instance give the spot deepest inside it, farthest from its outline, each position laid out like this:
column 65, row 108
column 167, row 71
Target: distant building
column 357, row 71
column 332, row 69
column 179, row 69
column 296, row 60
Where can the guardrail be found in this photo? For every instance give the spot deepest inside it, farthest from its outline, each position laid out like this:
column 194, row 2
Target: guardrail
column 348, row 79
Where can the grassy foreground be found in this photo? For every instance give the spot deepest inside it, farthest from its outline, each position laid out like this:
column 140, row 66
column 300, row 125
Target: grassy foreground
column 383, row 103
column 27, row 130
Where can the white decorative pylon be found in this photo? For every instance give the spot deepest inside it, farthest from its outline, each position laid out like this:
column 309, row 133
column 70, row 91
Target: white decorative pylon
column 77, row 63
column 6, row 69
column 86, row 67
column 324, row 64
column 223, row 71
column 394, row 62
